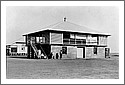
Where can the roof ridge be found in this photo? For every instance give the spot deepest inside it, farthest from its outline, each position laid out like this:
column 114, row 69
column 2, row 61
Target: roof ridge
column 54, row 25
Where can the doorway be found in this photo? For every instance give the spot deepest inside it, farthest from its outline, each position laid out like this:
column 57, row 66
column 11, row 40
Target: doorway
column 81, row 52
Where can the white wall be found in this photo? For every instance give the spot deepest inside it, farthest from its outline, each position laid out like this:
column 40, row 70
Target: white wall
column 19, row 48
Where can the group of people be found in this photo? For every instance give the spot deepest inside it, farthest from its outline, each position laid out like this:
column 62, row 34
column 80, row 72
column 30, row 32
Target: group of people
column 51, row 56
column 57, row 56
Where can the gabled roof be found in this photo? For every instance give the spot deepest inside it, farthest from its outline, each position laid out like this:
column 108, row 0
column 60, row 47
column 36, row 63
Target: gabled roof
column 69, row 27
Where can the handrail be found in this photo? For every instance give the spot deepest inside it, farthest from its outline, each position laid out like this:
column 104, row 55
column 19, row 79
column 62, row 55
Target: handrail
column 43, row 50
column 34, row 48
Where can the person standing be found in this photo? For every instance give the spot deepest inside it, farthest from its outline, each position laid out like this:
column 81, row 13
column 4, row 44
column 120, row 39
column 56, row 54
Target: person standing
column 39, row 54
column 51, row 55
column 60, row 54
column 57, row 55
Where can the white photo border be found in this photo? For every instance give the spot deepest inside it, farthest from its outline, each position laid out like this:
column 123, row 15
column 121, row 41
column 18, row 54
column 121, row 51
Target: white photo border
column 120, row 4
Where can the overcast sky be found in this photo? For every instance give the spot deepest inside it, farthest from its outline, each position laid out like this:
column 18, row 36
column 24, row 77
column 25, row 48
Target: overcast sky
column 21, row 20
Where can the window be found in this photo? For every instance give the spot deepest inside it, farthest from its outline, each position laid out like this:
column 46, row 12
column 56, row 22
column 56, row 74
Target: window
column 72, row 36
column 66, row 41
column 28, row 39
column 83, row 41
column 37, row 39
column 42, row 39
column 95, row 50
column 33, row 39
column 23, row 48
column 78, row 41
column 64, row 50
column 72, row 41
column 13, row 49
column 66, row 35
column 80, row 36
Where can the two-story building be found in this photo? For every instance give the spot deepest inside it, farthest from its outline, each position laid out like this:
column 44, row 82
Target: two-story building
column 73, row 40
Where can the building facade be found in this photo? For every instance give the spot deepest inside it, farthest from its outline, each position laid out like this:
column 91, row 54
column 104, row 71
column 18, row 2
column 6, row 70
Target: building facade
column 16, row 49
column 71, row 44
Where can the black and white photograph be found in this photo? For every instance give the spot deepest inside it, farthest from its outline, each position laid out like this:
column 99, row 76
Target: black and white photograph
column 69, row 41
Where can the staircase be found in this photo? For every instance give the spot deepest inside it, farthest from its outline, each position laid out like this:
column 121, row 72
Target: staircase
column 34, row 48
column 43, row 51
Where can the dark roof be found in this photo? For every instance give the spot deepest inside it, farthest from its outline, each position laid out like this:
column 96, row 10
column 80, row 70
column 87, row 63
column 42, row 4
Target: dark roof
column 68, row 27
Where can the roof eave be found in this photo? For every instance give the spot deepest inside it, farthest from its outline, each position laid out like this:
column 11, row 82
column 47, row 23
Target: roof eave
column 50, row 30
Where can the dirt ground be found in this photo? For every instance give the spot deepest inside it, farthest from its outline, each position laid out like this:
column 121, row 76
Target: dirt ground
column 21, row 68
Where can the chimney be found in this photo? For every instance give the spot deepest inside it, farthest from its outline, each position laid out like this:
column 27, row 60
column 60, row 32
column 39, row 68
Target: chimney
column 64, row 19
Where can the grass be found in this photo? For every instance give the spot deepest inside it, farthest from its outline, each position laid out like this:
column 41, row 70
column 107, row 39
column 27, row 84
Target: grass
column 19, row 68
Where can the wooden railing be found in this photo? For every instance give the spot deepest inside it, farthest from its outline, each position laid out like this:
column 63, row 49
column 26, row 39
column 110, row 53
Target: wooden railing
column 34, row 48
column 78, row 42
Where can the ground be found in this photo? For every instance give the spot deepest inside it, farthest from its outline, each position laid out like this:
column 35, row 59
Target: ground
column 21, row 68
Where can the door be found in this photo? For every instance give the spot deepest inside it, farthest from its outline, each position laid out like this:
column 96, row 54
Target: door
column 107, row 52
column 79, row 52
column 83, row 52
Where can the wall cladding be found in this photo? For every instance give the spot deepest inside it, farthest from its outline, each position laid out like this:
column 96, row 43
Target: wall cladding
column 101, row 52
column 89, row 52
column 71, row 52
column 56, row 38
column 102, row 40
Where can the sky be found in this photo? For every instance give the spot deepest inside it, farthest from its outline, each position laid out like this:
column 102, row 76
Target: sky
column 24, row 19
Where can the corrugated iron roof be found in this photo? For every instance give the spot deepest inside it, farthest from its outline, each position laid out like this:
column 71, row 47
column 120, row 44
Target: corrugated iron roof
column 71, row 27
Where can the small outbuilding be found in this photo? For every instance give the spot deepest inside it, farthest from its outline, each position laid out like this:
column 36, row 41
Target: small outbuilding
column 16, row 49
